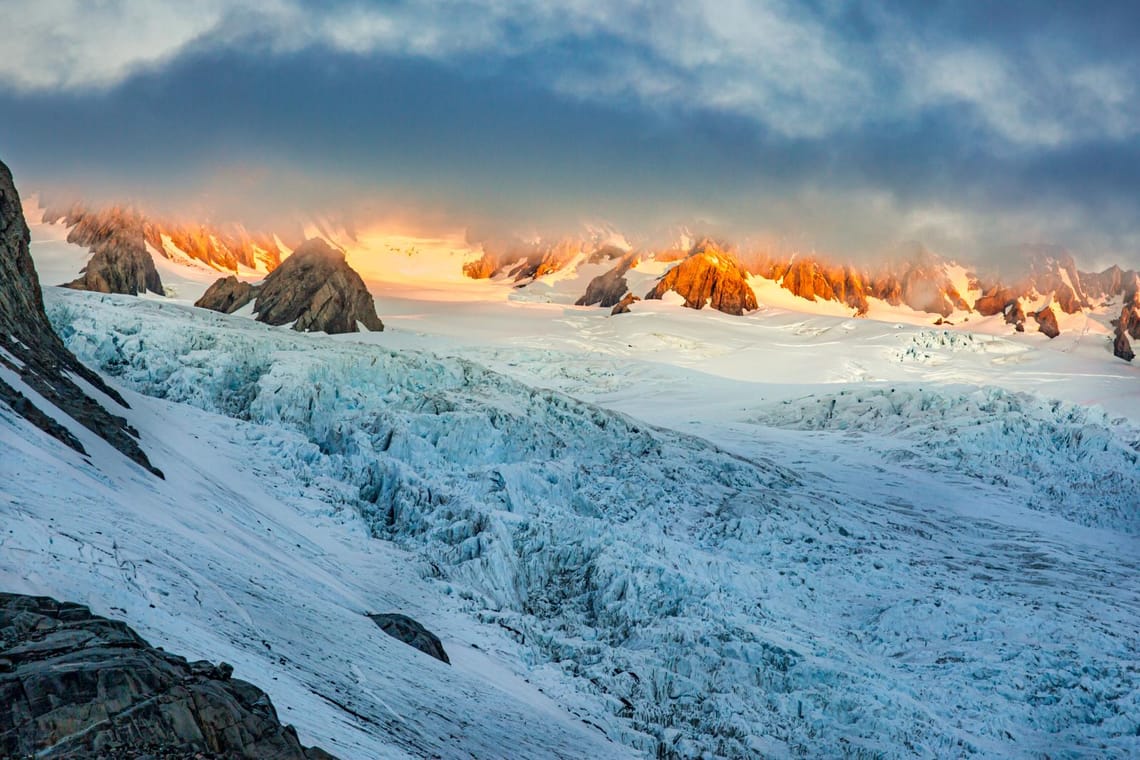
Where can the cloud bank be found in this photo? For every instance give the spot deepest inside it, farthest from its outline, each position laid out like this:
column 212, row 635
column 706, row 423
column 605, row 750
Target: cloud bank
column 966, row 124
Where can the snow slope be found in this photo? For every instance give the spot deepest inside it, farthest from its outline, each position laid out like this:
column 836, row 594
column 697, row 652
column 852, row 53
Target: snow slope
column 803, row 588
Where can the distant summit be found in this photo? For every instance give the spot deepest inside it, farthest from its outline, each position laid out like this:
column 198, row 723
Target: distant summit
column 710, row 276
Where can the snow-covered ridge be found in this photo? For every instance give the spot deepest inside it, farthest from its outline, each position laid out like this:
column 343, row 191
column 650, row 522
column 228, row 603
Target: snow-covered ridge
column 712, row 602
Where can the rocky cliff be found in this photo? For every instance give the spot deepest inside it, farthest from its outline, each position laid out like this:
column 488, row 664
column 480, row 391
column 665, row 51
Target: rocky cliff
column 709, row 276
column 75, row 685
column 523, row 262
column 32, row 352
column 120, row 262
column 224, row 247
column 1127, row 325
column 314, row 289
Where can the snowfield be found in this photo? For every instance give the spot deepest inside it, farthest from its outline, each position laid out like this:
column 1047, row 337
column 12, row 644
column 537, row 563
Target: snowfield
column 720, row 567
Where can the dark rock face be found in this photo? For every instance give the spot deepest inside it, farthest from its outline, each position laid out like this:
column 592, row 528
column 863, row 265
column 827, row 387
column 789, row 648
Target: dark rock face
column 31, row 348
column 1015, row 315
column 227, row 295
column 1122, row 347
column 622, row 306
column 74, row 685
column 316, row 290
column 121, row 262
column 1128, row 324
column 709, row 276
column 411, row 633
column 609, row 288
column 1047, row 322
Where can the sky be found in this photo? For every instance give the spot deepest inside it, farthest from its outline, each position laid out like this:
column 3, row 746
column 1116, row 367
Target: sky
column 850, row 128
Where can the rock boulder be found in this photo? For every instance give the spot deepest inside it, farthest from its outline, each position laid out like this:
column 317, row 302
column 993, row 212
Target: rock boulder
column 227, row 295
column 75, row 685
column 411, row 633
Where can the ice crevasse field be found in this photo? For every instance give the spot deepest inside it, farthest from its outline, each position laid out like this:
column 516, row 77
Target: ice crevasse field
column 668, row 533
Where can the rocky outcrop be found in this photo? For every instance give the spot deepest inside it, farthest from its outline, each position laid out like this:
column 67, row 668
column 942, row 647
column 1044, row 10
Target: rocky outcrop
column 1047, row 321
column 223, row 247
column 622, row 306
column 227, row 295
column 120, row 262
column 522, row 262
column 1127, row 326
column 316, row 290
column 608, row 289
column 1015, row 315
column 709, row 275
column 920, row 282
column 75, row 685
column 995, row 300
column 1122, row 347
column 30, row 349
column 411, row 633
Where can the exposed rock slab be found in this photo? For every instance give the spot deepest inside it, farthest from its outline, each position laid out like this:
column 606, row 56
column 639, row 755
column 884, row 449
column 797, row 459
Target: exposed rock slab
column 75, row 685
column 30, row 347
column 709, row 276
column 411, row 633
column 227, row 295
column 316, row 290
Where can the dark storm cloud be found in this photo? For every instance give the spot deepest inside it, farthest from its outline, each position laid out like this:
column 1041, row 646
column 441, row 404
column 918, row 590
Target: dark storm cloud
column 844, row 126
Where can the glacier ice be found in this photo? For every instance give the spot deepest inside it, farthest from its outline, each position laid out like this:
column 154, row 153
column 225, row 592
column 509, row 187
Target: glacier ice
column 719, row 604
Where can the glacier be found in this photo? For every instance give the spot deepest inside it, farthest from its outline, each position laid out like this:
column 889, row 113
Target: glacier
column 885, row 571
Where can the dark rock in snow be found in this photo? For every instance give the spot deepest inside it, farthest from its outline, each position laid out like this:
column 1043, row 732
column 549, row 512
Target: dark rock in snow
column 622, row 306
column 75, row 685
column 609, row 288
column 1047, row 322
column 227, row 295
column 411, row 633
column 1128, row 324
column 30, row 348
column 1015, row 315
column 316, row 290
